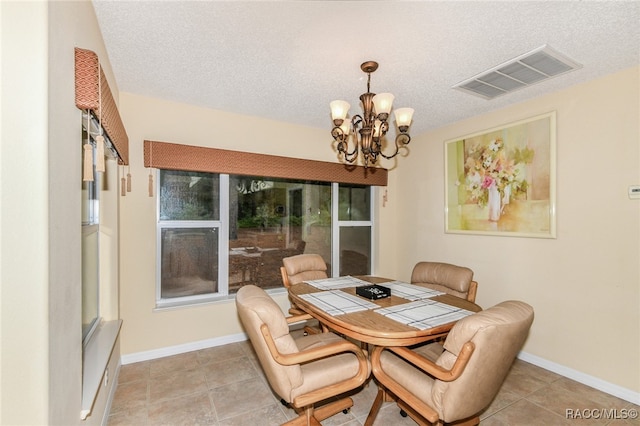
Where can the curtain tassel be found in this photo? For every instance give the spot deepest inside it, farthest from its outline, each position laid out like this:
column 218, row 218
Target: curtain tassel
column 123, row 186
column 128, row 182
column 150, row 184
column 87, row 170
column 100, row 154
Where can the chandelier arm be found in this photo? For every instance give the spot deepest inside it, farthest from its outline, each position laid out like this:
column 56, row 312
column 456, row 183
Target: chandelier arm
column 338, row 134
column 343, row 147
column 356, row 121
column 402, row 138
column 384, row 128
column 350, row 157
column 343, row 144
column 372, row 157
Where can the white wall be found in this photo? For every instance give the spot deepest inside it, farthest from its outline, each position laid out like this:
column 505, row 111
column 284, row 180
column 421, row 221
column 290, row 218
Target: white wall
column 585, row 284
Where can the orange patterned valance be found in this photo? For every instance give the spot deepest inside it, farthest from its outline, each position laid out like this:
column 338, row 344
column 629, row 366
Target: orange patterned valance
column 171, row 156
column 93, row 93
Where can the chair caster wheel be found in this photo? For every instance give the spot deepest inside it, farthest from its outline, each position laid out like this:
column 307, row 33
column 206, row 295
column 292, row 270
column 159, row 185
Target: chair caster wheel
column 345, row 411
column 403, row 413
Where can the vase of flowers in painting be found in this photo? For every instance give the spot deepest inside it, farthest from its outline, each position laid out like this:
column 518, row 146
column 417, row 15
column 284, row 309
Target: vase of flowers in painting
column 490, row 174
column 493, row 202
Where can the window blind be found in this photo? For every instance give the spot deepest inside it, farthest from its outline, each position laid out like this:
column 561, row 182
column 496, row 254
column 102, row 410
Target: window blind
column 93, row 94
column 171, row 156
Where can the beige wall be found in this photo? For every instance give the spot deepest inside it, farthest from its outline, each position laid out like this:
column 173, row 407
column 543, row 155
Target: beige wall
column 144, row 328
column 23, row 182
column 65, row 303
column 41, row 352
column 585, row 284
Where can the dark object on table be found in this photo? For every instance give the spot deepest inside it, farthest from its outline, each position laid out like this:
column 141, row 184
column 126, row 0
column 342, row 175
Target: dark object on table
column 373, row 292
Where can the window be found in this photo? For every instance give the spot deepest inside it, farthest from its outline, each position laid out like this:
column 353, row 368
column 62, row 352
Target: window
column 354, row 229
column 189, row 234
column 90, row 253
column 218, row 232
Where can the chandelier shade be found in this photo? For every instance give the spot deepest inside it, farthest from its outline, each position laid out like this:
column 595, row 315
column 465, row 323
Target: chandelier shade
column 339, row 110
column 383, row 102
column 403, row 116
column 364, row 134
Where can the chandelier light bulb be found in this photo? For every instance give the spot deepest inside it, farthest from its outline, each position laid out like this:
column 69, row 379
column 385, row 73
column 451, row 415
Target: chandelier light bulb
column 376, row 128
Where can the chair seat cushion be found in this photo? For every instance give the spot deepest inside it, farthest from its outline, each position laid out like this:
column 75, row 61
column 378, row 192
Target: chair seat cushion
column 315, row 340
column 327, row 371
column 413, row 379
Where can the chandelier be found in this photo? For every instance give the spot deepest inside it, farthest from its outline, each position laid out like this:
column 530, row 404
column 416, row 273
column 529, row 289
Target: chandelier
column 368, row 130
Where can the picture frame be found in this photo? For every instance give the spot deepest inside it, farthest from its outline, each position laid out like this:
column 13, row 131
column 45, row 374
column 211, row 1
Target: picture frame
column 502, row 181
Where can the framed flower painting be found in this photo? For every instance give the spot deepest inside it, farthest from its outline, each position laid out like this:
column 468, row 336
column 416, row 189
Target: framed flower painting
column 501, row 181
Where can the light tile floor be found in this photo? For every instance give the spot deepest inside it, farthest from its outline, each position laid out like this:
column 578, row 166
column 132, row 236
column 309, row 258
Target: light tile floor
column 225, row 386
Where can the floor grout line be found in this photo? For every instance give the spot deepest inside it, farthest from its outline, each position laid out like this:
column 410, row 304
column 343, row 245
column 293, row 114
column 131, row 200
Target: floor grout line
column 124, row 411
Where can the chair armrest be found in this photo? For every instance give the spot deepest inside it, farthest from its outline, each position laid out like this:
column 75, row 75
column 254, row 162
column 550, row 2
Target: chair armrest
column 298, row 318
column 299, row 315
column 429, row 367
column 473, row 290
column 285, row 277
column 309, row 354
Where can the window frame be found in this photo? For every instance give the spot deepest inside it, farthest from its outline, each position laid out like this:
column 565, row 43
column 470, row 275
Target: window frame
column 223, row 243
column 337, row 224
column 90, row 224
column 222, row 225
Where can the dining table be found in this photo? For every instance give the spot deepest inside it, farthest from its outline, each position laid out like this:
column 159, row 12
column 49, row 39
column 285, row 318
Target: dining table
column 390, row 321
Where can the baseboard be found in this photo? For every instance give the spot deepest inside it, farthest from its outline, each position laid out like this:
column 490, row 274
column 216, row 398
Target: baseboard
column 112, row 392
column 180, row 349
column 585, row 379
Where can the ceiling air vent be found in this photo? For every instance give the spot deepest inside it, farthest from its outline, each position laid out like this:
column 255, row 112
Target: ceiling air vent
column 533, row 67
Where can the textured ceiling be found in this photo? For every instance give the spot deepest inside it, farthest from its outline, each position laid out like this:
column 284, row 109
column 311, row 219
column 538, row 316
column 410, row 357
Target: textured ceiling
column 286, row 60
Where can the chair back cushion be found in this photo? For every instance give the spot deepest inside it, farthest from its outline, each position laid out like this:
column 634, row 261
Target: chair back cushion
column 256, row 307
column 305, row 267
column 444, row 277
column 498, row 334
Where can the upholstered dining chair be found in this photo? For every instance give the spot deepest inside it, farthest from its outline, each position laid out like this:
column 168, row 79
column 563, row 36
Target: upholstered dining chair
column 301, row 371
column 451, row 279
column 300, row 268
column 455, row 381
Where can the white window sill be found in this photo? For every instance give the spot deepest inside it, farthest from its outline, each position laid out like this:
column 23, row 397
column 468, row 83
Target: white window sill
column 95, row 358
column 197, row 301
